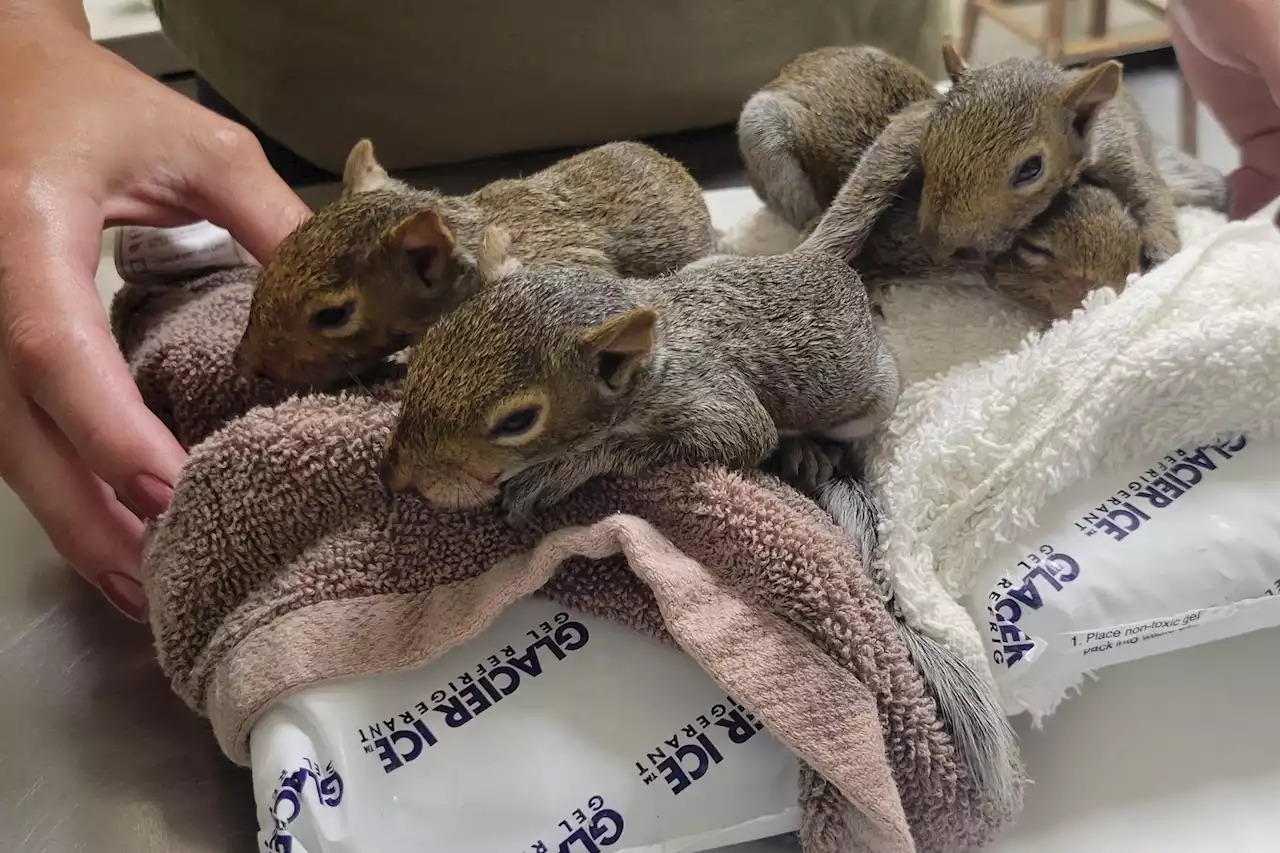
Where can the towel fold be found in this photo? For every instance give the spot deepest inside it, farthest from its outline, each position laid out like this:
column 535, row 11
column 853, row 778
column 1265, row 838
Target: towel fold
column 282, row 564
column 1189, row 354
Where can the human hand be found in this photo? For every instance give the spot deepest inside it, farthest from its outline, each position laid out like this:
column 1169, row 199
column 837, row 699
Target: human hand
column 88, row 140
column 1229, row 52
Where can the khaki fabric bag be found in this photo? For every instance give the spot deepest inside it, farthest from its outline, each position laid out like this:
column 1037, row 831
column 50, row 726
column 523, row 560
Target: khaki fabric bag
column 434, row 82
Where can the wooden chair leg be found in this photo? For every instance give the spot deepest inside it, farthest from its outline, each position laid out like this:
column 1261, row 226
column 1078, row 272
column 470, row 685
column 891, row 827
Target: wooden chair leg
column 1098, row 19
column 969, row 28
column 1188, row 118
column 1055, row 29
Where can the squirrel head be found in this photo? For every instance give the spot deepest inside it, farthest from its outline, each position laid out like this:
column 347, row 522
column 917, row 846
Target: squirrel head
column 357, row 282
column 531, row 367
column 1002, row 143
column 1084, row 241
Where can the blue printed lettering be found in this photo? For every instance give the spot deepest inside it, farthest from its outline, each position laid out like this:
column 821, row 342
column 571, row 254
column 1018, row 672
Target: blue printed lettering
column 475, row 699
column 1119, row 523
column 571, row 636
column 511, row 676
column 1057, row 562
column 387, row 755
column 404, row 745
column 1201, row 460
column 606, row 827
column 678, row 774
column 739, row 727
column 286, row 803
column 1015, row 653
column 1010, row 633
column 1163, row 491
column 455, row 714
column 1185, row 474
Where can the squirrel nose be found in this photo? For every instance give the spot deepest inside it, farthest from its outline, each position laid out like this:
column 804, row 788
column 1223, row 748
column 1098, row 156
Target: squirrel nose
column 939, row 250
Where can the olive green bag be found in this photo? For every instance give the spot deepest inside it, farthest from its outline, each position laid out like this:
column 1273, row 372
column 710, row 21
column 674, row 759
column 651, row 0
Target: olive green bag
column 434, row 82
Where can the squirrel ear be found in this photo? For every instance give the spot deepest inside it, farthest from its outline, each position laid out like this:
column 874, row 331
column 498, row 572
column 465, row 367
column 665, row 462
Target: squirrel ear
column 953, row 61
column 363, row 172
column 427, row 241
column 621, row 344
column 1088, row 92
column 495, row 260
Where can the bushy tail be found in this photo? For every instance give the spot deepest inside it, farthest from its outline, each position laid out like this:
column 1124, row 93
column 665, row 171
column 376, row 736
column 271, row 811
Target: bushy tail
column 1194, row 184
column 875, row 183
column 983, row 737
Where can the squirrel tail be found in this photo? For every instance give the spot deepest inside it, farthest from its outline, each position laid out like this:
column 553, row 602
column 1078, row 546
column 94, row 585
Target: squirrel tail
column 765, row 138
column 873, row 186
column 984, row 740
column 1194, row 184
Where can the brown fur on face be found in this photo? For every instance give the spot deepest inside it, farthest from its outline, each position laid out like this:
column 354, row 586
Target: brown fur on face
column 397, row 258
column 326, row 309
column 1084, row 241
column 994, row 120
column 573, row 362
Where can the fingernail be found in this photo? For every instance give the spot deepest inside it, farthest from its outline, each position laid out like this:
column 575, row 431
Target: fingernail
column 146, row 496
column 126, row 594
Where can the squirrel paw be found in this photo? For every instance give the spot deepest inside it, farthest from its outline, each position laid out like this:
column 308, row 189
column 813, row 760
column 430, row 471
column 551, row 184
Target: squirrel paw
column 524, row 495
column 806, row 463
column 1158, row 246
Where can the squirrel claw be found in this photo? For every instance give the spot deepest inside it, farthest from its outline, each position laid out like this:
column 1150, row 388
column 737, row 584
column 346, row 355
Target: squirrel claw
column 807, row 463
column 522, row 496
column 1158, row 247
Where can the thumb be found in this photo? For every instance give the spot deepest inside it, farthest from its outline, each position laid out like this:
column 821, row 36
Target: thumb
column 234, row 187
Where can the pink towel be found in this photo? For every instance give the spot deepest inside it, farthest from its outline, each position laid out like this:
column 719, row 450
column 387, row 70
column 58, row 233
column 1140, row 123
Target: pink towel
column 282, row 564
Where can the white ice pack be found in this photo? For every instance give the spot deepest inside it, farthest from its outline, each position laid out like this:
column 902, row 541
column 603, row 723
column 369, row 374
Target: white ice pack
column 1163, row 554
column 163, row 254
column 552, row 732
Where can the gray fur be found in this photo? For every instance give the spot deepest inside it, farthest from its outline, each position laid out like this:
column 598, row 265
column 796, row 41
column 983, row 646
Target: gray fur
column 1194, row 184
column 764, row 137
column 995, row 112
column 621, row 208
column 876, row 185
column 983, row 737
column 801, row 135
column 746, row 348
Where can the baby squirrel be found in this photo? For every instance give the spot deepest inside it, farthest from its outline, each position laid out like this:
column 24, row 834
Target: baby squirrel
column 993, row 152
column 365, row 276
column 1084, row 240
column 802, row 134
column 1007, row 138
column 549, row 377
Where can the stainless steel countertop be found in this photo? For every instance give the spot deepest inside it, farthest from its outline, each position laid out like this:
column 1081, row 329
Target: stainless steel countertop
column 96, row 753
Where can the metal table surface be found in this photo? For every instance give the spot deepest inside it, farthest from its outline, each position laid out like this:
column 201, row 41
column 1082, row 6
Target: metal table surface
column 96, row 753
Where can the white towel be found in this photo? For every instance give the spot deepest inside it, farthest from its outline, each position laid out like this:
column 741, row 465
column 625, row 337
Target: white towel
column 996, row 417
column 1190, row 351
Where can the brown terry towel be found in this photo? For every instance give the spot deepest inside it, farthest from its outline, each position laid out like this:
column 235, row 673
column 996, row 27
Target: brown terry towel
column 282, row 563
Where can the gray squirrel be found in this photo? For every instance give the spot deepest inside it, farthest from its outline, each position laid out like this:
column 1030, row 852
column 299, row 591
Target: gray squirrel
column 804, row 133
column 861, row 116
column 1006, row 139
column 550, row 377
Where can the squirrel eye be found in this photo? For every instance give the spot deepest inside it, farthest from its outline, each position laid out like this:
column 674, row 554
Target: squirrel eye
column 516, row 423
column 1028, row 170
column 333, row 317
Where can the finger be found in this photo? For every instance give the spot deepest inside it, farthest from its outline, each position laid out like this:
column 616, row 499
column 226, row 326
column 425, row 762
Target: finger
column 235, row 188
column 61, row 353
column 86, row 524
